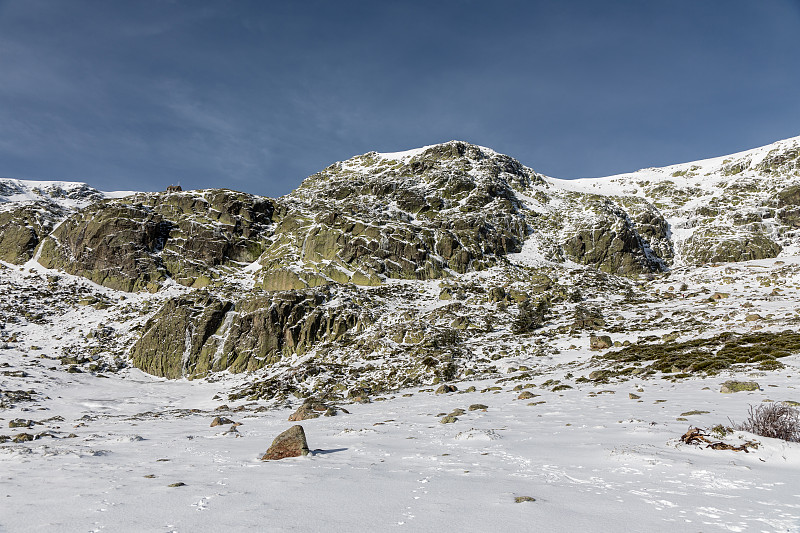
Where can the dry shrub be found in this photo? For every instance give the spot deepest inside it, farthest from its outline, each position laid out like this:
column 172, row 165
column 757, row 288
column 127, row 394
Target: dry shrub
column 775, row 420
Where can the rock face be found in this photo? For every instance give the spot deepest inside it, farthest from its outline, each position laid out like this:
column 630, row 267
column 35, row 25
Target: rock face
column 198, row 333
column 450, row 206
column 30, row 210
column 611, row 241
column 290, row 443
column 136, row 242
column 20, row 232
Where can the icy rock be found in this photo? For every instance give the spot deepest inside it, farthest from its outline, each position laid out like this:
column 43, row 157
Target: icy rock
column 290, row 443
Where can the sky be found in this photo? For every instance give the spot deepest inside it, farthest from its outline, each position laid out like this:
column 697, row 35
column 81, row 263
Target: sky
column 257, row 95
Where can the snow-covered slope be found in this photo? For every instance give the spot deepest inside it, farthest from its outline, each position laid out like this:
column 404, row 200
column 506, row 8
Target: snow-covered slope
column 499, row 349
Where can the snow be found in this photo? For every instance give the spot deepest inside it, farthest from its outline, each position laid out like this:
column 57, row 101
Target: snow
column 591, row 457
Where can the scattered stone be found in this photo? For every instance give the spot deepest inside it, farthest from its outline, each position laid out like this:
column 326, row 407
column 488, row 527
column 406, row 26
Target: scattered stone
column 178, row 484
column 449, row 419
column 738, row 386
column 478, row 407
column 221, row 421
column 444, row 389
column 150, row 476
column 754, row 317
column 471, row 388
column 598, row 375
column 21, row 423
column 691, row 413
column 290, row 443
column 526, row 395
column 304, row 412
column 633, row 396
column 24, row 437
column 457, row 412
column 601, row 342
column 223, row 407
column 523, row 499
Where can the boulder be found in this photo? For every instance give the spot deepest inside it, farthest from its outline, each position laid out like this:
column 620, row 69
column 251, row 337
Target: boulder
column 290, row 443
column 738, row 386
column 309, row 410
column 600, row 342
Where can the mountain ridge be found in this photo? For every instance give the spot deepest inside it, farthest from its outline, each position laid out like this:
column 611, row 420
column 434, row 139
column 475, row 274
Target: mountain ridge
column 422, row 260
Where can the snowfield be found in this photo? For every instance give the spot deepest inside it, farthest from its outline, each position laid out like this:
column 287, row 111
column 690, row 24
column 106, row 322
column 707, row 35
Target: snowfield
column 590, row 457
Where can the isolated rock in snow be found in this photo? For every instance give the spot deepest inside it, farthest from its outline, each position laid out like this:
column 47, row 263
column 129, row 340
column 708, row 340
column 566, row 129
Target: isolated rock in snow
column 290, row 443
column 738, row 386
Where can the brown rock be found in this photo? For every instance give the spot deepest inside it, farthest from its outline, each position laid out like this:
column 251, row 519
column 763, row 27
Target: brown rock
column 290, row 443
column 600, row 343
column 221, row 421
column 309, row 409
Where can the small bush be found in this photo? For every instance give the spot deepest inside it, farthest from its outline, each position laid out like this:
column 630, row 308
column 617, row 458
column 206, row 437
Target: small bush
column 775, row 420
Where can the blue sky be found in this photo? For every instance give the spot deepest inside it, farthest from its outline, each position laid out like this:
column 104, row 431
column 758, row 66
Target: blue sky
column 256, row 95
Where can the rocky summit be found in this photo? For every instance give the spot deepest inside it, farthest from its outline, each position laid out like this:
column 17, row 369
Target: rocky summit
column 392, row 270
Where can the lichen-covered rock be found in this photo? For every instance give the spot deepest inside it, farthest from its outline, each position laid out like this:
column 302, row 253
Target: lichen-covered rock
column 136, row 242
column 373, row 217
column 199, row 333
column 21, row 229
column 600, row 342
column 719, row 245
column 290, row 443
column 610, row 241
column 738, row 386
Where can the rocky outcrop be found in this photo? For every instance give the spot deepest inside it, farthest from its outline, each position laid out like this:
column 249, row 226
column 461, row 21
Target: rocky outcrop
column 136, row 242
column 192, row 335
column 609, row 239
column 719, row 245
column 22, row 228
column 449, row 207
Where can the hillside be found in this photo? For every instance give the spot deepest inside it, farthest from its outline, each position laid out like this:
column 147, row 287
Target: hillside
column 593, row 319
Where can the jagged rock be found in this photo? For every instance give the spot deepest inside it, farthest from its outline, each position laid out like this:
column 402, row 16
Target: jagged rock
column 198, row 333
column 20, row 423
column 611, row 242
column 290, row 443
column 345, row 219
column 136, row 242
column 732, row 386
column 719, row 245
